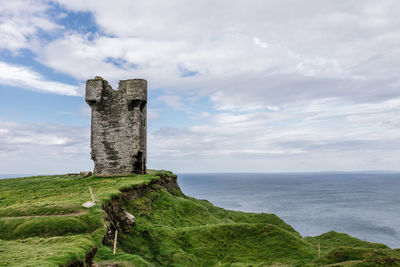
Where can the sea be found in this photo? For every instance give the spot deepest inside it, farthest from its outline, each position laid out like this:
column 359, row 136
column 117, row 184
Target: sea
column 364, row 205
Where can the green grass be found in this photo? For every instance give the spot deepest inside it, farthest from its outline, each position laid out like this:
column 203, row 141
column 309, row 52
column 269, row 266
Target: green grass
column 49, row 195
column 179, row 230
column 175, row 230
column 360, row 256
column 53, row 251
column 105, row 256
column 42, row 223
column 333, row 239
column 350, row 251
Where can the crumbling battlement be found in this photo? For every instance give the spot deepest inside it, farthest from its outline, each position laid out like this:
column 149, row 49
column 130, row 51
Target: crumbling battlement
column 118, row 129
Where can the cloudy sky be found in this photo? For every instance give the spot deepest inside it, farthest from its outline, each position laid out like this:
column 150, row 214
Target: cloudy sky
column 234, row 86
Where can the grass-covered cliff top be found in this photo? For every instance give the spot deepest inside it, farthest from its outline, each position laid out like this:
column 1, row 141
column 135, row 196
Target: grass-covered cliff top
column 43, row 223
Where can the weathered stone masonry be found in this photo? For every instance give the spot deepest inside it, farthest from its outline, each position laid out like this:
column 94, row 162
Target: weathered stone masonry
column 118, row 130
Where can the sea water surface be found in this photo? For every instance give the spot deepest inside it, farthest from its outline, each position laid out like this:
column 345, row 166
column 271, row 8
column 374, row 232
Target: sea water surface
column 364, row 205
column 8, row 176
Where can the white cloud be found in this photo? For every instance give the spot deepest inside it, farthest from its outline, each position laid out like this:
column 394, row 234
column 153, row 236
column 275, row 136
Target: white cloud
column 222, row 102
column 24, row 77
column 260, row 43
column 299, row 74
column 21, row 21
column 204, row 114
column 172, row 101
column 325, row 135
column 265, row 53
column 297, row 84
column 43, row 148
column 85, row 59
column 153, row 114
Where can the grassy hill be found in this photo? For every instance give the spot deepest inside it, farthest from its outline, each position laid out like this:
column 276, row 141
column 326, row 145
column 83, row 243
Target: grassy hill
column 43, row 223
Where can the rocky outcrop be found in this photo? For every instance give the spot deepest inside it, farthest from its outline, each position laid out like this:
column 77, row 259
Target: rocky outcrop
column 116, row 216
column 117, row 219
column 87, row 262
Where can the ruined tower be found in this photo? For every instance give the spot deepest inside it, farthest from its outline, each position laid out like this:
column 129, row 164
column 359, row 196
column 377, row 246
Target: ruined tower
column 118, row 129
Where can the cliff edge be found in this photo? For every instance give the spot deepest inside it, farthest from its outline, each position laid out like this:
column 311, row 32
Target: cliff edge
column 43, row 223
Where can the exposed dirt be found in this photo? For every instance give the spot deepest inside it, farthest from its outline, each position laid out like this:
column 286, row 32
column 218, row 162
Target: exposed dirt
column 88, row 260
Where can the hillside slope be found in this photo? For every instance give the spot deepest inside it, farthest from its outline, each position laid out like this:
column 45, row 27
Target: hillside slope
column 42, row 223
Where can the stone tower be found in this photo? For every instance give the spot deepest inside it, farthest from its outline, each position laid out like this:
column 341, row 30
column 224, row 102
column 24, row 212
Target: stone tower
column 118, row 130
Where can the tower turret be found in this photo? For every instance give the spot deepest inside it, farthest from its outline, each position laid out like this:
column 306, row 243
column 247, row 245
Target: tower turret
column 118, row 127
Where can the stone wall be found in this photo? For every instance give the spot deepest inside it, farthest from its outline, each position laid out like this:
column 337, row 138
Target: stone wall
column 118, row 128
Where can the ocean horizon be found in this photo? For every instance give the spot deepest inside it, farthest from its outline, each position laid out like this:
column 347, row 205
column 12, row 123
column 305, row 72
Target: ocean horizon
column 13, row 175
column 362, row 204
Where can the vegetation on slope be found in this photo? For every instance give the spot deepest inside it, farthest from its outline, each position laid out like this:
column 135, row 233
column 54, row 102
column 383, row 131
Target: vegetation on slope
column 349, row 251
column 42, row 223
column 175, row 230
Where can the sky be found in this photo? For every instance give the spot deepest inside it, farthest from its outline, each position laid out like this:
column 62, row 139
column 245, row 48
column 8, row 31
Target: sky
column 234, row 86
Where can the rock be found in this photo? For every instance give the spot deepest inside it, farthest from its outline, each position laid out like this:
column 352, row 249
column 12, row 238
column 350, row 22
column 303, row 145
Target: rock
column 88, row 204
column 130, row 218
column 86, row 174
